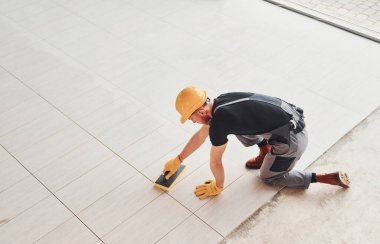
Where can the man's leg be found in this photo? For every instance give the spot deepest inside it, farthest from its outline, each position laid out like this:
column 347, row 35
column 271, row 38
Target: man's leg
column 264, row 147
column 277, row 169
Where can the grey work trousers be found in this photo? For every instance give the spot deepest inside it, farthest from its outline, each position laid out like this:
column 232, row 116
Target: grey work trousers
column 277, row 167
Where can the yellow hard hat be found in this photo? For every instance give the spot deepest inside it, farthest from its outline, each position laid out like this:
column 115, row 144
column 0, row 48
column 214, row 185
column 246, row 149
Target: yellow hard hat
column 188, row 100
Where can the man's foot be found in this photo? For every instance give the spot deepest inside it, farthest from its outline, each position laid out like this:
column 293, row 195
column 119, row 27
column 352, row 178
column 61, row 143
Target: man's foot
column 336, row 178
column 256, row 162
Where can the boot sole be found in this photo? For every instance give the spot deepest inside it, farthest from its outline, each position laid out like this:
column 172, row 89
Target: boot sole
column 252, row 167
column 344, row 179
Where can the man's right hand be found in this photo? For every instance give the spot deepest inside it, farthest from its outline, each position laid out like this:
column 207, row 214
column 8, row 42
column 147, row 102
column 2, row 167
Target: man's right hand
column 171, row 166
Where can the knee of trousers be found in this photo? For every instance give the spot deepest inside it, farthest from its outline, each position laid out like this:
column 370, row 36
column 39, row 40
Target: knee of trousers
column 270, row 181
column 266, row 179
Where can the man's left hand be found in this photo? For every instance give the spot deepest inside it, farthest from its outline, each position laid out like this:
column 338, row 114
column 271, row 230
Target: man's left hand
column 209, row 188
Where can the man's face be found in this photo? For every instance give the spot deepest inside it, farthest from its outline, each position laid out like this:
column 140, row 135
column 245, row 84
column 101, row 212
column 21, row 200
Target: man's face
column 200, row 117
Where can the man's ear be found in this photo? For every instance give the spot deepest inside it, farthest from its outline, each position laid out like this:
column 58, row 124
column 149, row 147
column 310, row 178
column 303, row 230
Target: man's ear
column 201, row 111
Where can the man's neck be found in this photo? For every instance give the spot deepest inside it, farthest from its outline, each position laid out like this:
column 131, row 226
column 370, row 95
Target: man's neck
column 209, row 108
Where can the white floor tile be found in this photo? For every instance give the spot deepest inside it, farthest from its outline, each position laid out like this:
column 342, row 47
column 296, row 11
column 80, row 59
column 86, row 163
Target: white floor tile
column 76, row 6
column 236, row 203
column 96, row 183
column 30, row 10
column 71, row 34
column 120, row 204
column 13, row 42
column 192, row 230
column 95, row 58
column 130, row 130
column 118, row 62
column 153, row 146
column 20, row 139
column 47, row 16
column 90, row 101
column 143, row 75
column 92, row 41
column 59, row 77
column 20, row 197
column 161, row 8
column 13, row 94
column 71, row 52
column 23, row 113
column 11, row 173
column 30, row 62
column 193, row 162
column 117, row 21
column 59, row 144
column 6, row 28
column 73, row 165
column 312, row 153
column 339, row 84
column 109, row 115
column 61, row 85
column 6, row 6
column 148, row 30
column 55, row 26
column 99, row 8
column 72, row 231
column 184, row 190
column 224, row 32
column 35, row 222
column 4, row 155
column 323, row 119
column 157, row 217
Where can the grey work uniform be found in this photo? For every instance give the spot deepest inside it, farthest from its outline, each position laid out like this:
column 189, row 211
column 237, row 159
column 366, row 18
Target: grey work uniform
column 254, row 117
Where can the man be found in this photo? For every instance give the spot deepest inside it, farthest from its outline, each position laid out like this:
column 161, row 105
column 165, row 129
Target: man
column 277, row 127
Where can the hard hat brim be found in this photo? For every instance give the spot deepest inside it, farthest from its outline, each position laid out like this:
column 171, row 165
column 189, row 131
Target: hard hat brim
column 195, row 107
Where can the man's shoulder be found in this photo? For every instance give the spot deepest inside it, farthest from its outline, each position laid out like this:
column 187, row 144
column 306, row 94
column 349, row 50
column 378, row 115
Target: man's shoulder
column 233, row 95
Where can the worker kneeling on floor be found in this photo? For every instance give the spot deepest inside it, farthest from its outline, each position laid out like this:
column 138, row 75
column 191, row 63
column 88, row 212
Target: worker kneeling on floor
column 276, row 126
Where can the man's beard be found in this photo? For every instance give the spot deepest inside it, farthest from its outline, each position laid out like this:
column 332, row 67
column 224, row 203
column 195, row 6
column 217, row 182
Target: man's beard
column 206, row 120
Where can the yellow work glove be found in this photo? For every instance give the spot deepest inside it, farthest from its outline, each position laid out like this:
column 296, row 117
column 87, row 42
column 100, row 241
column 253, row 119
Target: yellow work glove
column 208, row 189
column 171, row 166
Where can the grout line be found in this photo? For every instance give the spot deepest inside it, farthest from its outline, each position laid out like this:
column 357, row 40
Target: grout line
column 326, row 18
column 117, row 186
column 86, row 172
column 55, row 131
column 173, row 228
column 84, row 131
column 116, row 154
column 7, row 110
column 57, row 109
column 86, row 68
column 206, row 202
column 88, row 140
column 14, row 183
column 183, row 221
column 133, row 214
column 52, row 193
column 29, row 207
column 24, row 123
column 64, row 222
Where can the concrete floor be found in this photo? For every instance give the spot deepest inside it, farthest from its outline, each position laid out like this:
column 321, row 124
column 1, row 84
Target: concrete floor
column 327, row 214
column 87, row 117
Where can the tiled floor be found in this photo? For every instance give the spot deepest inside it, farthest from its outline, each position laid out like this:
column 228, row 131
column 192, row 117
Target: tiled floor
column 87, row 118
column 361, row 17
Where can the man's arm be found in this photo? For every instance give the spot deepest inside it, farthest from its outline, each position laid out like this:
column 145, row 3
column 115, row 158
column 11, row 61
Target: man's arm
column 213, row 187
column 195, row 142
column 216, row 164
